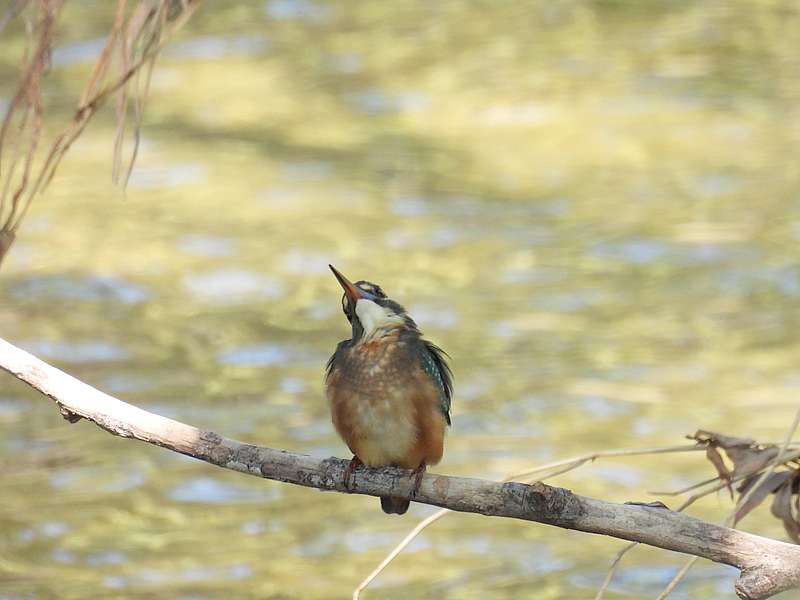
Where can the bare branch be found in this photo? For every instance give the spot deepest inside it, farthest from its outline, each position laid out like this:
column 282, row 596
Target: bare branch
column 767, row 566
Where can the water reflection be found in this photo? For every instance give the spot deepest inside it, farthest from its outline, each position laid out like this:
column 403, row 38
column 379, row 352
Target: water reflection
column 78, row 52
column 93, row 287
column 306, row 170
column 217, row 48
column 261, row 355
column 307, row 10
column 209, row 246
column 54, row 529
column 109, row 557
column 431, row 316
column 293, row 385
column 11, row 409
column 204, row 489
column 375, row 101
column 577, row 226
column 232, row 286
column 170, row 176
column 125, row 482
column 303, row 262
column 89, row 351
column 63, row 556
column 634, row 251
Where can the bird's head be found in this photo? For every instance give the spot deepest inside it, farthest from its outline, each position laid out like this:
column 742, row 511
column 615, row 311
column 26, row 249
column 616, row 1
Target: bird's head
column 368, row 309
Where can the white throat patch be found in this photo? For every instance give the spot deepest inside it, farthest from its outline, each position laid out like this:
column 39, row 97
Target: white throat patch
column 374, row 317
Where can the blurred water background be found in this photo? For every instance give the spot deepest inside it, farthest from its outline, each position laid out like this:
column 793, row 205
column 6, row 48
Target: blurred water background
column 591, row 205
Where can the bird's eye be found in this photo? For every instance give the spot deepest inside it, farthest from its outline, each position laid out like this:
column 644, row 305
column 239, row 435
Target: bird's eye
column 371, row 288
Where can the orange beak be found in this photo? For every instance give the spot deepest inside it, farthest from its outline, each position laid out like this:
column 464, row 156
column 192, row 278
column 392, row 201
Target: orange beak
column 352, row 292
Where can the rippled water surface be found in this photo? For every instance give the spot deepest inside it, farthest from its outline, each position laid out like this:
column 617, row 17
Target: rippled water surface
column 592, row 206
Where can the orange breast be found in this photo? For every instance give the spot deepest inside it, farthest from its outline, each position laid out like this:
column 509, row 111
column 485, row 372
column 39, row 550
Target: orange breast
column 387, row 412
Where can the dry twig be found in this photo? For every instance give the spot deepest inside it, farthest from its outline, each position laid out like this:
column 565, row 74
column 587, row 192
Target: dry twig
column 398, row 549
column 138, row 36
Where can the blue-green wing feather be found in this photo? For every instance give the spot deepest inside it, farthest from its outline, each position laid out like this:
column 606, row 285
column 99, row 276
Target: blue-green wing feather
column 435, row 365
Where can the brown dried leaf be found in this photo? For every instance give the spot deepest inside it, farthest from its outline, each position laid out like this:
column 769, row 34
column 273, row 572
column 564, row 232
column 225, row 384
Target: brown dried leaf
column 724, row 441
column 758, row 495
column 713, row 455
column 745, row 454
column 796, row 514
column 747, row 461
column 782, row 509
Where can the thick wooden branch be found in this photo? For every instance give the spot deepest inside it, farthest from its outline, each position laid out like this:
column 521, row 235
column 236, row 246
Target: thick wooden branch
column 767, row 566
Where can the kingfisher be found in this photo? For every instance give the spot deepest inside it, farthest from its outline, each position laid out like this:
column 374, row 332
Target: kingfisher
column 389, row 389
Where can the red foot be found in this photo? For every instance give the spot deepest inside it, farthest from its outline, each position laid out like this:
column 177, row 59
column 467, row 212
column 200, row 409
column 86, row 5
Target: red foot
column 419, row 473
column 355, row 462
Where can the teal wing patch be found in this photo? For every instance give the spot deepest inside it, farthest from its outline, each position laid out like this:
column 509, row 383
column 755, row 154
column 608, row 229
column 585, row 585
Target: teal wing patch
column 435, row 365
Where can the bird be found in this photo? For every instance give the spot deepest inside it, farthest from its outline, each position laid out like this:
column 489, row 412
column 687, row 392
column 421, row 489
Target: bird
column 388, row 388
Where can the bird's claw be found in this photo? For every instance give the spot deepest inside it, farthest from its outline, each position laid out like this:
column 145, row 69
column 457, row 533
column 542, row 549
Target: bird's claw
column 349, row 470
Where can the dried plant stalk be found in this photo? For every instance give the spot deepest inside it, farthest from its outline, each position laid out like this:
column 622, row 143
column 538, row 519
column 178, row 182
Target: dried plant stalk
column 24, row 119
column 137, row 37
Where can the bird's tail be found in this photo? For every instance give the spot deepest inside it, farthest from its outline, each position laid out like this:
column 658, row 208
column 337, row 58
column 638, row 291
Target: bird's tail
column 394, row 506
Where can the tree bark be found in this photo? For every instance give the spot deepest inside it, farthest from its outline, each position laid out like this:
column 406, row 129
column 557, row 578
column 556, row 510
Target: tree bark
column 767, row 566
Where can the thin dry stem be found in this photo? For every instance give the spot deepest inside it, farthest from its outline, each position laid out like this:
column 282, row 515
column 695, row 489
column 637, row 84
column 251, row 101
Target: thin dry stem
column 398, row 549
column 683, row 491
column 613, row 569
column 678, row 578
column 26, row 106
column 579, row 460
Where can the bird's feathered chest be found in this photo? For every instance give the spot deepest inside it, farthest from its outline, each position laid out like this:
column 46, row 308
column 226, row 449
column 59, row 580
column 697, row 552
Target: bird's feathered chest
column 383, row 402
column 377, row 367
column 393, row 363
